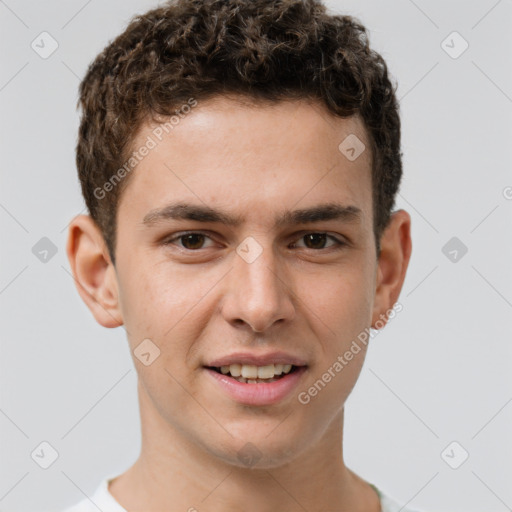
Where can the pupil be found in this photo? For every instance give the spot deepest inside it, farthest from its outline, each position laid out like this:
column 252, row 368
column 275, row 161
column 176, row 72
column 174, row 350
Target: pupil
column 192, row 235
column 322, row 237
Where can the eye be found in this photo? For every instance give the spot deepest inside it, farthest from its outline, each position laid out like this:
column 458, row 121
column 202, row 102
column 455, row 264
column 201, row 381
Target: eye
column 314, row 240
column 194, row 240
column 191, row 241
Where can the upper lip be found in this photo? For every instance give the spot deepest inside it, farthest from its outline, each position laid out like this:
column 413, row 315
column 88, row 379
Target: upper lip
column 257, row 359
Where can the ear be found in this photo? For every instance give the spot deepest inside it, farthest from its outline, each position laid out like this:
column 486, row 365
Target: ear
column 396, row 247
column 94, row 273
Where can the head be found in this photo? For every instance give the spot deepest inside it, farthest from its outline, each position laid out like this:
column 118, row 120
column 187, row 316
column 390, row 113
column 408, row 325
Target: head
column 240, row 121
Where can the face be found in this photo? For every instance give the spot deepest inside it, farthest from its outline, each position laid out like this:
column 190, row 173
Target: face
column 246, row 236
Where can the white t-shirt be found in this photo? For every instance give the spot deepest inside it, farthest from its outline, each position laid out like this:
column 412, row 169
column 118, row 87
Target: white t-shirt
column 104, row 501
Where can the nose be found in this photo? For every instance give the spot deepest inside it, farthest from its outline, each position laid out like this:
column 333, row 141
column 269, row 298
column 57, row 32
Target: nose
column 258, row 293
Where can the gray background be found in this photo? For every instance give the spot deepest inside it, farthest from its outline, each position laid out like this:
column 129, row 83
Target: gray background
column 438, row 373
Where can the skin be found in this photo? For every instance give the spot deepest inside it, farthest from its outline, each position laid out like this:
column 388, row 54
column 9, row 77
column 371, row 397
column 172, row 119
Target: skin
column 201, row 300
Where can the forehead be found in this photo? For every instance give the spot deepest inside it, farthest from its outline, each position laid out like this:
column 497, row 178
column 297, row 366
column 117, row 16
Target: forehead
column 252, row 156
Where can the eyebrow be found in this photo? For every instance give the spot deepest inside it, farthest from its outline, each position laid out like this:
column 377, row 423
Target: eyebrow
column 201, row 213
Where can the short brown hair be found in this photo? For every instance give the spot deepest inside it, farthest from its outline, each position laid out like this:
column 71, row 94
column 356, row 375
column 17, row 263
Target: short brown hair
column 265, row 50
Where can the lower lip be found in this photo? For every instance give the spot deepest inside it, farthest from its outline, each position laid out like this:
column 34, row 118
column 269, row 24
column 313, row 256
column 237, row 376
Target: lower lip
column 259, row 393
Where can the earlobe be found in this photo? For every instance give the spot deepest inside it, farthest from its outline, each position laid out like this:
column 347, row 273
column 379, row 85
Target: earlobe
column 396, row 248
column 94, row 274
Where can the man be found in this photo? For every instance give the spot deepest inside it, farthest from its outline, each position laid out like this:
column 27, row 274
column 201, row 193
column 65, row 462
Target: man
column 240, row 161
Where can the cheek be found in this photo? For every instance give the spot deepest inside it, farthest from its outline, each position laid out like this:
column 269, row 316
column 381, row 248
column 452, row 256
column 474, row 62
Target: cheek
column 339, row 305
column 158, row 306
column 170, row 308
column 150, row 299
column 342, row 301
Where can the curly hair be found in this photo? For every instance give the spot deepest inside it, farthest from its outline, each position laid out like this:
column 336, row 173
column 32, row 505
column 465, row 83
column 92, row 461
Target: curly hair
column 265, row 50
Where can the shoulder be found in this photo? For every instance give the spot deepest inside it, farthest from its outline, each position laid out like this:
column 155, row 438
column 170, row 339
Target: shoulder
column 390, row 505
column 101, row 499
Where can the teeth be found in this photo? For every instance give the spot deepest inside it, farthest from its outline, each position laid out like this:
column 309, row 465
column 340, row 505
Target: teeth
column 266, row 372
column 235, row 370
column 249, row 372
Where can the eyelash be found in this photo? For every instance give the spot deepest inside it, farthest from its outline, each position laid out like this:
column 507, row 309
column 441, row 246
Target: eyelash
column 339, row 244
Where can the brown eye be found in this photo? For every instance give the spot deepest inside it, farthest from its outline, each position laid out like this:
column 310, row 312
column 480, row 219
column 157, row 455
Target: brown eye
column 192, row 241
column 189, row 241
column 316, row 241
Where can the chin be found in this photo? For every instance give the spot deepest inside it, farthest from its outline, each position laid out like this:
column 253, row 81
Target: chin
column 257, row 448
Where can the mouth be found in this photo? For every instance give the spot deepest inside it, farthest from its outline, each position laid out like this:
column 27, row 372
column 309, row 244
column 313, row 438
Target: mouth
column 256, row 385
column 252, row 374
